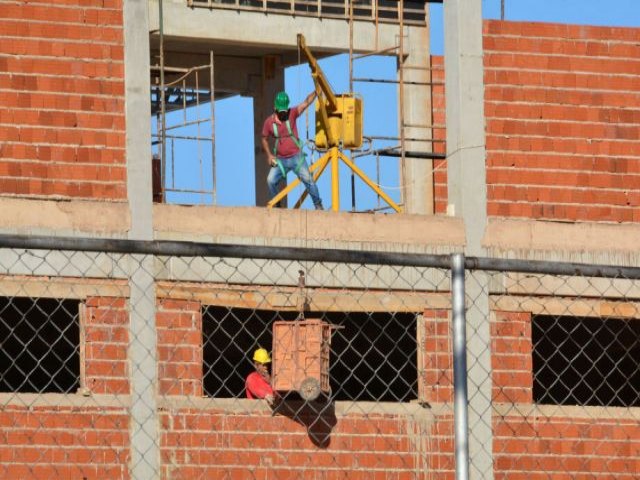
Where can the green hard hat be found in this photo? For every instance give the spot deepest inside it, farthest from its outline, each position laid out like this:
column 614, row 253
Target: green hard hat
column 281, row 102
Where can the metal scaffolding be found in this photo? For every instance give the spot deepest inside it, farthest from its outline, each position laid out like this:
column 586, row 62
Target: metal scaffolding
column 429, row 138
column 183, row 99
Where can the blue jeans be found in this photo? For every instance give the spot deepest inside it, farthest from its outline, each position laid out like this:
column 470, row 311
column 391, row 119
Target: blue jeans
column 292, row 163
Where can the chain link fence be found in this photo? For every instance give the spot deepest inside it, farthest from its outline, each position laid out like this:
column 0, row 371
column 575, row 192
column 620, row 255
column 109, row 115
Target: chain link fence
column 122, row 359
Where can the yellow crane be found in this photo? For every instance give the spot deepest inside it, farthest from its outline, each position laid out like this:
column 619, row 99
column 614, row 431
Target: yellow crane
column 338, row 126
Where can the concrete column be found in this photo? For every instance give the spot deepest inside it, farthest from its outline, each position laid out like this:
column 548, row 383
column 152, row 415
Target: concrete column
column 464, row 94
column 272, row 83
column 464, row 90
column 417, row 173
column 142, row 353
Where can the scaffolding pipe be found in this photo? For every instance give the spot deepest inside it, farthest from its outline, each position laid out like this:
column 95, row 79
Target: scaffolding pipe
column 377, row 52
column 403, row 166
column 460, row 397
column 212, row 96
column 353, row 175
column 397, row 154
column 163, row 118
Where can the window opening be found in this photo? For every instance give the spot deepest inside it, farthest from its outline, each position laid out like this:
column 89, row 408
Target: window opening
column 373, row 357
column 586, row 361
column 39, row 345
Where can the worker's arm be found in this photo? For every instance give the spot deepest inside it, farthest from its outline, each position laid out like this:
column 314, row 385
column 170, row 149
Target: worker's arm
column 307, row 101
column 271, row 160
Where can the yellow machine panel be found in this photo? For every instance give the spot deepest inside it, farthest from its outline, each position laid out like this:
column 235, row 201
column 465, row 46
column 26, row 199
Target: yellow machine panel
column 345, row 123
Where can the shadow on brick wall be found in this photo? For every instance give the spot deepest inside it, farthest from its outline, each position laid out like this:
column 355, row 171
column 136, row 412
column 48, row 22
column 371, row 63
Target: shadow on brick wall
column 317, row 417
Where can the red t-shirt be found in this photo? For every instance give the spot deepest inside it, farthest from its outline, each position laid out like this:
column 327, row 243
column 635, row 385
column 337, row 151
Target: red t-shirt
column 286, row 146
column 257, row 386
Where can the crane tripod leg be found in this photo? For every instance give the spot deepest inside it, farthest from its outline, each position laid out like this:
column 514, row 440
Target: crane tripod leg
column 319, row 165
column 333, row 156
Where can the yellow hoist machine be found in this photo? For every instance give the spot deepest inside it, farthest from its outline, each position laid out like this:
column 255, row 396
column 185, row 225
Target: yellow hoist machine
column 338, row 127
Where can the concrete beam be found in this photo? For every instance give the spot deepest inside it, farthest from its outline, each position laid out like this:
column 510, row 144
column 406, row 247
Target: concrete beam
column 310, row 228
column 233, row 74
column 249, row 29
column 569, row 242
column 558, row 306
column 64, row 218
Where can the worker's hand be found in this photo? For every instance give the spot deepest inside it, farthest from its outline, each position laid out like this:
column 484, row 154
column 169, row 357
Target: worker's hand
column 272, row 161
column 269, row 398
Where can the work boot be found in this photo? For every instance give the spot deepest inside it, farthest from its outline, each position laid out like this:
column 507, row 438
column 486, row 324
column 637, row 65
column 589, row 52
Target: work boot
column 319, row 206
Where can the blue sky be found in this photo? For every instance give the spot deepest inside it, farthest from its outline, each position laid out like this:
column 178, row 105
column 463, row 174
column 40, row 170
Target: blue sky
column 234, row 125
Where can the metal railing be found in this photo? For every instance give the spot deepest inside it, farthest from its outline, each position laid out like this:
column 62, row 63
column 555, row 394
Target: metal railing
column 383, row 11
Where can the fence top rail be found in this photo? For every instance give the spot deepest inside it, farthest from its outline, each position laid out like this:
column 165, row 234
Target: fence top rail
column 201, row 249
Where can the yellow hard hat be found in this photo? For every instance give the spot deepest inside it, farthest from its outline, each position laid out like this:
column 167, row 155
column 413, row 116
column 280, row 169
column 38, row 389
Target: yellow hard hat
column 262, row 356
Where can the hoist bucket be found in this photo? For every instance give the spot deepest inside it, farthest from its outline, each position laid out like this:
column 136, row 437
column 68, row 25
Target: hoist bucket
column 300, row 357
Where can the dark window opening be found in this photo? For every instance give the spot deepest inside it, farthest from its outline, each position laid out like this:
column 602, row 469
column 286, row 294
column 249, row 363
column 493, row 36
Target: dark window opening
column 373, row 357
column 586, row 361
column 39, row 345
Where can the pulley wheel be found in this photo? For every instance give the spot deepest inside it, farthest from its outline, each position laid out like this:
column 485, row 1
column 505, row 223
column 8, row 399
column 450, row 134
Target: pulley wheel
column 309, row 389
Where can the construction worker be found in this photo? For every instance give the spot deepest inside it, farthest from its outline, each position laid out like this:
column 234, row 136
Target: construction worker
column 287, row 154
column 258, row 383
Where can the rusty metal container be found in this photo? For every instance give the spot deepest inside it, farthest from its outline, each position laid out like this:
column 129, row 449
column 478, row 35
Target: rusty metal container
column 300, row 357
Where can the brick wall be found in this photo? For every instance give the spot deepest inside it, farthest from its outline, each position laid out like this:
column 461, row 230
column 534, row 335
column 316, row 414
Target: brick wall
column 438, row 361
column 62, row 95
column 511, row 360
column 529, row 443
column 203, row 438
column 106, row 337
column 562, row 108
column 531, row 446
column 180, row 347
column 220, row 439
column 76, row 436
column 438, row 120
column 218, row 444
column 52, row 442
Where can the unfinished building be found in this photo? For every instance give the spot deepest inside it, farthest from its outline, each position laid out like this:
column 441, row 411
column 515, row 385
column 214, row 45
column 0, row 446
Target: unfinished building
column 131, row 303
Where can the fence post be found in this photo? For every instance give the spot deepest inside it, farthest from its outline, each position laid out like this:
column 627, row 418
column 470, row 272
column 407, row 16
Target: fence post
column 461, row 421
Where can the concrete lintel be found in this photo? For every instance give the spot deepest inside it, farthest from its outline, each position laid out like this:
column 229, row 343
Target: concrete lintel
column 307, row 228
column 285, row 298
column 64, row 217
column 558, row 306
column 60, row 287
column 557, row 241
column 531, row 411
column 230, row 27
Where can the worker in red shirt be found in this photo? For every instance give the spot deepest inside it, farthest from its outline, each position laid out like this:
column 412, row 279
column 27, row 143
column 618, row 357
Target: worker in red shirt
column 258, row 383
column 287, row 153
